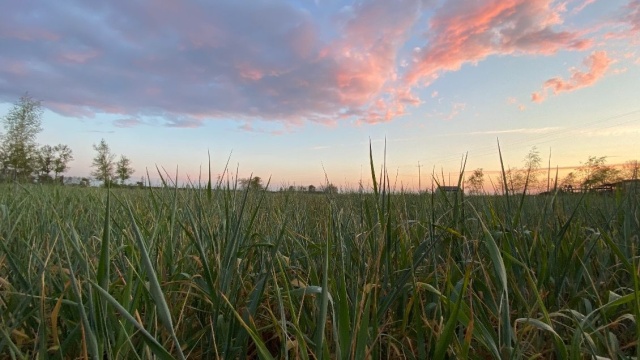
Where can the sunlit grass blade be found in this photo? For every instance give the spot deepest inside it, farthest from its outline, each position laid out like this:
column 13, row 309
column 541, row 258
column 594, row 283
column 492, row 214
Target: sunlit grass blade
column 373, row 171
column 495, row 256
column 505, row 184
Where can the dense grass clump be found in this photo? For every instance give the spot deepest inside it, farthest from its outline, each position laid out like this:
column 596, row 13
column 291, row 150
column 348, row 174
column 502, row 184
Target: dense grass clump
column 217, row 272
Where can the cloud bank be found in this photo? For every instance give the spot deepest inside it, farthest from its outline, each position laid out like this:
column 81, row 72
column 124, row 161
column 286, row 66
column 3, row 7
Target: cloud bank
column 188, row 62
column 468, row 32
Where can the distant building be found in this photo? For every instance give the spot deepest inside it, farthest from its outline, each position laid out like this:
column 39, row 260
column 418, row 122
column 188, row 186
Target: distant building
column 621, row 186
column 627, row 185
column 604, row 188
column 77, row 181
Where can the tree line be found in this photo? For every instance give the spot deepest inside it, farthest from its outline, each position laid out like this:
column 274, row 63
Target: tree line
column 256, row 183
column 22, row 159
column 591, row 174
column 107, row 169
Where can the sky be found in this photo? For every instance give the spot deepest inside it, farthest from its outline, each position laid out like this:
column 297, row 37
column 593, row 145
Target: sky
column 295, row 91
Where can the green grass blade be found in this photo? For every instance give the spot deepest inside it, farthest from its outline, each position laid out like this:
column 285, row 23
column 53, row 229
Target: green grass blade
column 324, row 300
column 498, row 264
column 447, row 335
column 105, row 258
column 154, row 286
column 262, row 349
column 91, row 341
column 155, row 346
column 557, row 339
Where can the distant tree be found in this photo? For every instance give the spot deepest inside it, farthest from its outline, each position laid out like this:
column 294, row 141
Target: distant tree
column 569, row 182
column 52, row 158
column 103, row 163
column 596, row 172
column 516, row 179
column 630, row 170
column 124, row 169
column 254, row 183
column 532, row 162
column 526, row 177
column 311, row 188
column 19, row 148
column 62, row 155
column 475, row 181
column 330, row 189
column 44, row 162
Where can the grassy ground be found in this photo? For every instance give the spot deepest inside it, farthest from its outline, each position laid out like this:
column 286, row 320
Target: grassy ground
column 198, row 273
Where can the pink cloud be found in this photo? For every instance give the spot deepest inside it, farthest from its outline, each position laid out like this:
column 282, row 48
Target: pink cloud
column 467, row 32
column 248, row 127
column 183, row 122
column 69, row 109
column 351, row 75
column 456, row 109
column 597, row 64
column 248, row 72
column 77, row 57
column 513, row 101
column 27, row 33
column 367, row 58
column 582, row 5
column 632, row 17
column 538, row 97
column 88, row 109
column 629, row 18
column 405, row 96
column 17, row 68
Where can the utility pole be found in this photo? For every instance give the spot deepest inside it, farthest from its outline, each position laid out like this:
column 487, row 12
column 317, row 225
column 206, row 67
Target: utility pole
column 419, row 179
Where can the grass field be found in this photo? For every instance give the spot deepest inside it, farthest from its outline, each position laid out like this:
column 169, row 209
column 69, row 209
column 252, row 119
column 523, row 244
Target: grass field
column 215, row 272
